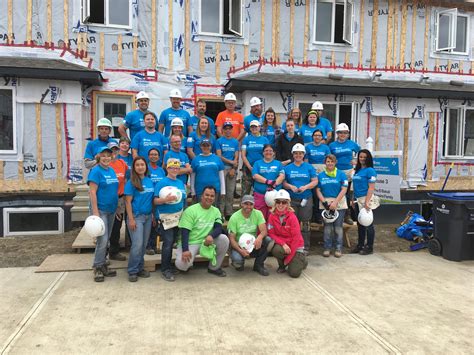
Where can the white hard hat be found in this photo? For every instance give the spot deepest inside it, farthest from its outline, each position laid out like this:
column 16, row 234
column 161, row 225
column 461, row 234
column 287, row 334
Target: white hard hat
column 282, row 195
column 104, row 122
column 246, row 241
column 177, row 122
column 298, row 147
column 176, row 93
column 230, row 97
column 255, row 101
column 317, row 105
column 254, row 123
column 329, row 216
column 165, row 191
column 342, row 127
column 94, row 226
column 365, row 217
column 270, row 198
column 142, row 95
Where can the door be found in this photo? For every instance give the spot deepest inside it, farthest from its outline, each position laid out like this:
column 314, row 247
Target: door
column 115, row 109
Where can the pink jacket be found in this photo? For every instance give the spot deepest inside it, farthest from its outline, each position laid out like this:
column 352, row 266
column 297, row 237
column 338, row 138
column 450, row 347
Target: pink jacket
column 286, row 232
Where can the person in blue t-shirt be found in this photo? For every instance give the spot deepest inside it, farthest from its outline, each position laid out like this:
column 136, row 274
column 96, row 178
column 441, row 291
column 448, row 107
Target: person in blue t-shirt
column 345, row 149
column 228, row 148
column 268, row 174
column 255, row 113
column 201, row 113
column 104, row 127
column 252, row 150
column 124, row 153
column 134, row 119
column 149, row 138
column 175, row 111
column 332, row 187
column 317, row 151
column 175, row 152
column 193, row 143
column 296, row 116
column 300, row 180
column 311, row 124
column 177, row 126
column 139, row 191
column 323, row 121
column 270, row 129
column 208, row 169
column 103, row 194
column 168, row 207
column 364, row 180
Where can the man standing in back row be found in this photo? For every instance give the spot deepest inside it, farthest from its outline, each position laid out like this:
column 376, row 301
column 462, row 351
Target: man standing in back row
column 230, row 115
column 134, row 119
column 175, row 111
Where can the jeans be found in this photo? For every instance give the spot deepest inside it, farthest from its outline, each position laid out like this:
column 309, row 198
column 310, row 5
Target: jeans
column 103, row 240
column 363, row 231
column 332, row 230
column 260, row 255
column 139, row 238
column 154, row 233
column 226, row 204
column 222, row 245
column 169, row 237
column 304, row 215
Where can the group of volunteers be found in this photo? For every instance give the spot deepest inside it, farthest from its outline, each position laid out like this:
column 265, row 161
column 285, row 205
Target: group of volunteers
column 291, row 175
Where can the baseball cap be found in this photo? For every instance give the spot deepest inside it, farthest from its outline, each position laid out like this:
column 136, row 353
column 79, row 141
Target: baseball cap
column 254, row 123
column 103, row 149
column 175, row 163
column 227, row 124
column 113, row 144
column 205, row 141
column 248, row 198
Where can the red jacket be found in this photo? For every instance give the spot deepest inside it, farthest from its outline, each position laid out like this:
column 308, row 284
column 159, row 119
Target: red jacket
column 287, row 232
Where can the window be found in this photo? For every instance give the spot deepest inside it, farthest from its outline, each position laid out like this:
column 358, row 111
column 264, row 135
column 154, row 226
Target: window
column 334, row 21
column 115, row 108
column 221, row 17
column 7, row 122
column 459, row 132
column 33, row 221
column 115, row 13
column 452, row 32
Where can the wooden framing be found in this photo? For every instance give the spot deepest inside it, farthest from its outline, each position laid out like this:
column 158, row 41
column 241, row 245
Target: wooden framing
column 39, row 143
column 427, row 33
column 406, row 130
column 390, row 34
column 59, row 141
column 119, row 50
column 135, row 51
column 102, row 51
column 29, row 18
column 429, row 158
column 413, row 36
column 10, row 21
column 395, row 33
column 403, row 34
column 66, row 22
column 397, row 134
column 218, row 62
column 153, row 34
column 232, row 56
column 361, row 33
column 375, row 26
column 50, row 21
column 306, row 32
column 378, row 122
column 201, row 57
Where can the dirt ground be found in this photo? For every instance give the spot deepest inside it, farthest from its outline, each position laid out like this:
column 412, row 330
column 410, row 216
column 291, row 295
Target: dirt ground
column 32, row 250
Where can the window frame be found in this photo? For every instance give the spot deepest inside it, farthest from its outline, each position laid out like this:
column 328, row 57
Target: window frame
column 221, row 22
column 13, row 151
column 453, row 27
column 35, row 209
column 85, row 13
column 460, row 134
column 348, row 42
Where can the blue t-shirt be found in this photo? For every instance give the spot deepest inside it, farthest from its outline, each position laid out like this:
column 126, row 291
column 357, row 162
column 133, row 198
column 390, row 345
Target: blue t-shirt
column 254, row 147
column 142, row 201
column 156, row 174
column 249, row 118
column 169, row 114
column 299, row 176
column 193, row 122
column 326, row 124
column 183, row 158
column 361, row 181
column 107, row 188
column 297, row 127
column 307, row 132
column 207, row 170
column 169, row 208
column 93, row 147
column 194, row 142
column 134, row 122
column 316, row 153
column 331, row 186
column 269, row 171
column 344, row 153
column 128, row 159
column 228, row 147
column 271, row 133
column 144, row 141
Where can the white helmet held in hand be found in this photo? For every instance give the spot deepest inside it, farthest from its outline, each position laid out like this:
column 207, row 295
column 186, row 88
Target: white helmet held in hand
column 298, row 147
column 230, row 97
column 246, row 241
column 342, row 127
column 165, row 191
column 283, row 195
column 94, row 226
column 329, row 216
column 317, row 105
column 104, row 122
column 270, row 198
column 142, row 95
column 176, row 93
column 366, row 217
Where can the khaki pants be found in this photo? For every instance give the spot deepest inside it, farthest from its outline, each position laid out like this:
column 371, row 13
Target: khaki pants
column 226, row 204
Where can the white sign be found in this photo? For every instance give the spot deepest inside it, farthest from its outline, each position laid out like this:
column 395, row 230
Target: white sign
column 387, row 167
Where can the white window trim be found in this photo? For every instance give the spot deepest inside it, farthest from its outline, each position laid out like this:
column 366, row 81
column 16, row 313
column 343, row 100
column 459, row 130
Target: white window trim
column 85, row 12
column 332, row 43
column 460, row 135
column 450, row 50
column 15, row 123
column 221, row 27
column 6, row 220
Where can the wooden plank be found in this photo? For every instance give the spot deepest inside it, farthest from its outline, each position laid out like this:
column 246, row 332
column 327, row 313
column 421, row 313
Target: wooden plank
column 232, row 56
column 375, row 28
column 389, row 52
column 459, row 183
column 39, row 143
column 246, row 53
column 397, row 134
column 135, row 51
column 66, row 22
column 10, row 21
column 403, row 34
column 431, row 147
column 292, row 30
column 50, row 21
column 29, row 17
column 170, row 34
column 13, row 186
column 378, row 122
column 102, row 52
column 119, row 51
column 59, row 143
column 218, row 62
column 395, row 32
column 413, row 35
column 306, row 32
column 201, row 56
column 274, row 21
column 262, row 30
column 153, row 32
column 74, row 262
column 406, row 130
column 187, row 33
column 427, row 34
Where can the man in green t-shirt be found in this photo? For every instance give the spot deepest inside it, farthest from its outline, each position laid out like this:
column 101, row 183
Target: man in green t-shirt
column 202, row 223
column 248, row 220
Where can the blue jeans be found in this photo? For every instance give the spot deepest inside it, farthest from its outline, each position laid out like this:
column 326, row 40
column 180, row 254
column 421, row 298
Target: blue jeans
column 362, row 231
column 169, row 237
column 139, row 238
column 332, row 230
column 103, row 240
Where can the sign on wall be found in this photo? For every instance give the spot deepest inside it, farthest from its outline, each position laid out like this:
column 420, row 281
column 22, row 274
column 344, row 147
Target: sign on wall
column 387, row 166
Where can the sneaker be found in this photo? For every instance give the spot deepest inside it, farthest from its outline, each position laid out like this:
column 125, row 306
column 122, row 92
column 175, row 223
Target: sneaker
column 366, row 251
column 262, row 270
column 219, row 272
column 143, row 273
column 133, row 278
column 107, row 272
column 326, row 253
column 118, row 257
column 98, row 275
column 338, row 253
column 150, row 252
column 356, row 250
column 348, row 220
column 168, row 275
column 238, row 267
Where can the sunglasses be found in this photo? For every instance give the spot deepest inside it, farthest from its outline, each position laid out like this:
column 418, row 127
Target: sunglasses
column 280, row 202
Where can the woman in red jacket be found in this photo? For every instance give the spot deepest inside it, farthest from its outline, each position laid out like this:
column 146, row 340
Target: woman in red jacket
column 284, row 229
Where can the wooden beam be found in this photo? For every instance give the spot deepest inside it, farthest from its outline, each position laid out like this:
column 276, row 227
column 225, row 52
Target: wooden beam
column 375, row 29
column 378, row 122
column 10, row 21
column 403, row 34
column 102, row 51
column 431, row 147
column 397, row 134
column 389, row 53
column 29, row 18
column 50, row 21
column 306, row 32
column 413, row 35
column 232, row 56
column 66, row 22
column 119, row 51
column 218, row 62
column 395, row 33
column 427, row 34
column 59, row 142
column 170, row 35
column 135, row 51
column 277, row 49
column 201, row 57
column 39, row 142
column 246, row 53
column 13, row 186
column 274, row 21
column 2, row 163
column 406, row 130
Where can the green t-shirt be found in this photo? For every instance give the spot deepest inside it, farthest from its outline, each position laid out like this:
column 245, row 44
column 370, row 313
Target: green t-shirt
column 238, row 224
column 199, row 221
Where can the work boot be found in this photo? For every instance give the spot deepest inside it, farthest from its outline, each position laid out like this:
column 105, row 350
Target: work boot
column 98, row 275
column 133, row 278
column 366, row 250
column 219, row 272
column 118, row 257
column 150, row 251
column 143, row 273
column 338, row 253
column 167, row 275
column 261, row 269
column 356, row 250
column 107, row 272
